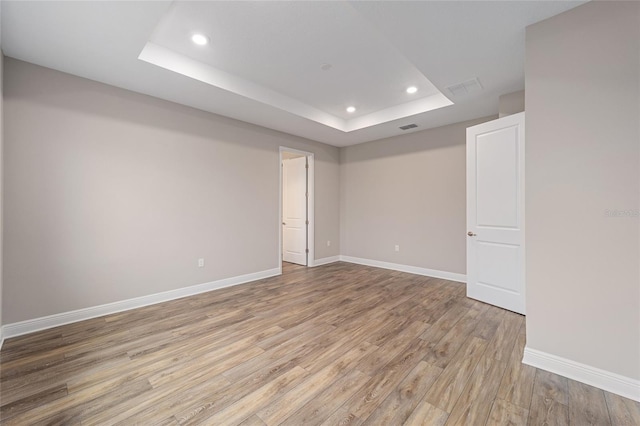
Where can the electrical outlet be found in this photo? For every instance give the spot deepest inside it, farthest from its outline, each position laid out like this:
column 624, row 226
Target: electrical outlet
column 328, row 243
column 201, row 263
column 397, row 247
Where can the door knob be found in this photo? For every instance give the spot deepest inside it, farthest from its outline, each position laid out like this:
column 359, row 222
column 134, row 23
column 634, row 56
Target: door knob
column 471, row 234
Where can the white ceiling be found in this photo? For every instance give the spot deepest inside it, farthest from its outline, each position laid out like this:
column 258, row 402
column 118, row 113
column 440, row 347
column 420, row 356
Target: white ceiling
column 273, row 52
column 263, row 64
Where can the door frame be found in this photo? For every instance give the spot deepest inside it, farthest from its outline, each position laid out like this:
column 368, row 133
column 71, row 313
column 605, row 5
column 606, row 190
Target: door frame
column 310, row 205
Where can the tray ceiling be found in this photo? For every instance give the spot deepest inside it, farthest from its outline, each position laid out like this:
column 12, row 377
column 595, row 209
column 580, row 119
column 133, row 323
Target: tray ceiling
column 292, row 66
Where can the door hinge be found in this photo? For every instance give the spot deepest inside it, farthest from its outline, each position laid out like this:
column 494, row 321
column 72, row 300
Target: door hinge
column 306, row 166
column 306, row 222
column 306, row 251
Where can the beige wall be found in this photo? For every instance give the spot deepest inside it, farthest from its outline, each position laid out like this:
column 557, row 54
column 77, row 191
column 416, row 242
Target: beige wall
column 582, row 160
column 407, row 190
column 511, row 103
column 111, row 195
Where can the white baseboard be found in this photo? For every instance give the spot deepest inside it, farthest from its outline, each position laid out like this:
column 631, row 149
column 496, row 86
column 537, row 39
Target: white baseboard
column 42, row 323
column 605, row 380
column 451, row 276
column 326, row 260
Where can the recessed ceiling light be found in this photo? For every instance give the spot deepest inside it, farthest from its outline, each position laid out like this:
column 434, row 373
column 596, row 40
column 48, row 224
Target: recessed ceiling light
column 412, row 89
column 200, row 39
column 351, row 109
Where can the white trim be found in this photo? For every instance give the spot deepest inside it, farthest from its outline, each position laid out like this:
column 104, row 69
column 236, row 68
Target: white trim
column 326, row 260
column 451, row 276
column 311, row 234
column 310, row 205
column 1, row 337
column 42, row 323
column 605, row 380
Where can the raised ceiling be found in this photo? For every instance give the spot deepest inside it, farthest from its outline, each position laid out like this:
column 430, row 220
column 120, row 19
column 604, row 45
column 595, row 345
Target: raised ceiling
column 312, row 59
column 292, row 66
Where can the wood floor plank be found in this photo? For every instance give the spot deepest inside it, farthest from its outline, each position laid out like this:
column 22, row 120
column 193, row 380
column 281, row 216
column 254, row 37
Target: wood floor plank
column 489, row 322
column 551, row 386
column 547, row 411
column 169, row 421
column 321, row 407
column 623, row 411
column 148, row 405
column 309, row 388
column 253, row 402
column 29, row 344
column 504, row 413
column 378, row 359
column 293, row 332
column 445, row 391
column 343, row 342
column 427, row 414
column 441, row 353
column 367, row 399
column 69, row 410
column 474, row 403
column 587, row 405
column 444, row 323
column 192, row 367
column 291, row 348
column 252, row 421
column 400, row 403
column 15, row 389
column 517, row 383
column 11, row 409
column 337, row 344
column 30, row 364
column 58, row 374
column 203, row 401
column 166, row 365
column 210, row 394
column 501, row 345
column 391, row 325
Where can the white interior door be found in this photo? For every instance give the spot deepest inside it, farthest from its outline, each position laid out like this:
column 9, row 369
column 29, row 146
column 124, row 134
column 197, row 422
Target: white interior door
column 294, row 210
column 495, row 213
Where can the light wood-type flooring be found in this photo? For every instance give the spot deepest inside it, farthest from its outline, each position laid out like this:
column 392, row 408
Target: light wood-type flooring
column 339, row 344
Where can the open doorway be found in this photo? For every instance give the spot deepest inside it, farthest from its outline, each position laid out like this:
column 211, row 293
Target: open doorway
column 296, row 207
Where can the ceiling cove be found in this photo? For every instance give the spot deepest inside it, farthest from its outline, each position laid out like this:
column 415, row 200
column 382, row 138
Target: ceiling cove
column 322, row 61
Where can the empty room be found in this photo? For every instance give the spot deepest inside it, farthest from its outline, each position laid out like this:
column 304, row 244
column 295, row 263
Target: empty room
column 320, row 213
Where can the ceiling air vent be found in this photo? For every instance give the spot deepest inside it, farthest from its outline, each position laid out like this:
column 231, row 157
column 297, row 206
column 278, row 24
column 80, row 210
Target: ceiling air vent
column 465, row 87
column 408, row 126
